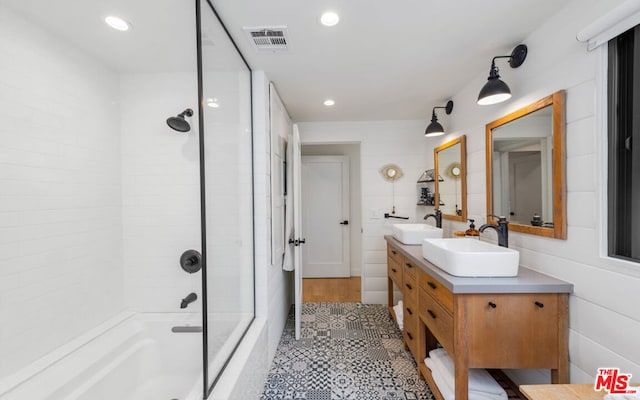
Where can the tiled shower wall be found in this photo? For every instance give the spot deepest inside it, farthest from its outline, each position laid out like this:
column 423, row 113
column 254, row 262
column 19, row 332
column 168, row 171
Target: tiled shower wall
column 161, row 190
column 60, row 199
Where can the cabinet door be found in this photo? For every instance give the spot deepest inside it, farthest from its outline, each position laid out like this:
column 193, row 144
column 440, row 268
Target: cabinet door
column 511, row 330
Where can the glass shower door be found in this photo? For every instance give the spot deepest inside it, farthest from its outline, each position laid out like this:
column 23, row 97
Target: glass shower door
column 226, row 135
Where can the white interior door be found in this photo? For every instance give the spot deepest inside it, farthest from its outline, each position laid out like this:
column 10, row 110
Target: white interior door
column 325, row 216
column 297, row 228
column 525, row 186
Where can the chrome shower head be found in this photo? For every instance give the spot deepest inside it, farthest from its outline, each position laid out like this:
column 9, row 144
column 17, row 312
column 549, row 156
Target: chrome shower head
column 178, row 122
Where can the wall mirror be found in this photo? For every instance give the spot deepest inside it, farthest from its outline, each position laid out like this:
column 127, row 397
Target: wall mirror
column 450, row 161
column 526, row 168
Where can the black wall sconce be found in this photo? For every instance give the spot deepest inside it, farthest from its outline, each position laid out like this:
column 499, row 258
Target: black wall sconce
column 495, row 90
column 435, row 128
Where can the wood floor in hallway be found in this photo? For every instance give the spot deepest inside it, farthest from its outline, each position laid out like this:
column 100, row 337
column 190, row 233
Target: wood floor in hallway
column 331, row 290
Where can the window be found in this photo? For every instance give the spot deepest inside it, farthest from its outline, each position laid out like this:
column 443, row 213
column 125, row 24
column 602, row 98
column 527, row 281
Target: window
column 623, row 137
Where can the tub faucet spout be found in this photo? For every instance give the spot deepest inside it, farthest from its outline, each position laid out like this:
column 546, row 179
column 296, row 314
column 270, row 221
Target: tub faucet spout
column 502, row 229
column 437, row 216
column 191, row 297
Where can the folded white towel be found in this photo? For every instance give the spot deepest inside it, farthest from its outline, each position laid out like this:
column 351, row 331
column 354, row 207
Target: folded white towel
column 398, row 308
column 439, row 352
column 481, row 384
column 448, row 392
column 443, row 385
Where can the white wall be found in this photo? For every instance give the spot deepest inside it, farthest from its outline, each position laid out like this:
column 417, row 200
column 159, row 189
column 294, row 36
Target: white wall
column 279, row 134
column 160, row 190
column 355, row 195
column 274, row 287
column 604, row 317
column 385, row 142
column 60, row 200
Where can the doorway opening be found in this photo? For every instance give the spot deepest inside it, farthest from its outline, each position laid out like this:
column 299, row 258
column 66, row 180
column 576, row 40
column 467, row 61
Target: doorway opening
column 338, row 237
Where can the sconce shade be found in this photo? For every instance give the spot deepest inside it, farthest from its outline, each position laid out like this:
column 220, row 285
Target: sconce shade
column 434, row 129
column 495, row 90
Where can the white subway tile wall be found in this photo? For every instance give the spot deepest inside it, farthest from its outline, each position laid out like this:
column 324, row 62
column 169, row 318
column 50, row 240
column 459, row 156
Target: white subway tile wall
column 160, row 190
column 60, row 197
column 274, row 287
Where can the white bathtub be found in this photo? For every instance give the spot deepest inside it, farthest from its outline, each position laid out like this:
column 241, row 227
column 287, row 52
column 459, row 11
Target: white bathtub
column 131, row 357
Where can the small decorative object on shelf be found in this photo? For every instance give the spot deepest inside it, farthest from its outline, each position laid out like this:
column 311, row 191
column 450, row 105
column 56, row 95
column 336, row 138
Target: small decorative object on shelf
column 426, row 197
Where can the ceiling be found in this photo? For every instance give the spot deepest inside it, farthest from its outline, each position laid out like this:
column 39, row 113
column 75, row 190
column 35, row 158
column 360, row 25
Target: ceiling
column 385, row 60
column 161, row 39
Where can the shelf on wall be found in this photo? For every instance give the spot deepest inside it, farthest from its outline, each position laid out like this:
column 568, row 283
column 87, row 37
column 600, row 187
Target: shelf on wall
column 424, row 203
column 428, row 176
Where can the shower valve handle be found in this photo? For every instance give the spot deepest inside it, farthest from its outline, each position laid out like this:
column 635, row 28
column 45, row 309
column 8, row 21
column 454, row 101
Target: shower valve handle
column 191, row 261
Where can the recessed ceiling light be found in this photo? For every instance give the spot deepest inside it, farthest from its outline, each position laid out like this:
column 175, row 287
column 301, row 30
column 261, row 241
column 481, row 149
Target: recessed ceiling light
column 329, row 19
column 329, row 102
column 117, row 23
column 213, row 103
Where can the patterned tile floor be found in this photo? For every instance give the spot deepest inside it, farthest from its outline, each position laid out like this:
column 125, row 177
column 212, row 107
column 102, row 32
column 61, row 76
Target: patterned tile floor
column 346, row 351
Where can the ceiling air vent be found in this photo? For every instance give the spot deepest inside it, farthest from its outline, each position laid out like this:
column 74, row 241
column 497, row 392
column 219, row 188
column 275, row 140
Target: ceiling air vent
column 268, row 39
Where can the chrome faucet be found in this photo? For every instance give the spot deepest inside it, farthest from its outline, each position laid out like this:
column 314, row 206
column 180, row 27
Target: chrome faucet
column 191, row 297
column 502, row 229
column 437, row 216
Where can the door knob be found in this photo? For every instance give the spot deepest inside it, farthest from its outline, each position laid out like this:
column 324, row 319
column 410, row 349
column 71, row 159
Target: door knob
column 345, row 222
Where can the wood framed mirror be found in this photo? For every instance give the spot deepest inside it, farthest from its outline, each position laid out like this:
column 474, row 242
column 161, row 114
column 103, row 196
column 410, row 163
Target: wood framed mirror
column 526, row 178
column 450, row 161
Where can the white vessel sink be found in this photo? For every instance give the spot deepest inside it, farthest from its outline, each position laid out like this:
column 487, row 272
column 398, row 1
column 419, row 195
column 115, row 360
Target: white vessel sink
column 471, row 257
column 415, row 233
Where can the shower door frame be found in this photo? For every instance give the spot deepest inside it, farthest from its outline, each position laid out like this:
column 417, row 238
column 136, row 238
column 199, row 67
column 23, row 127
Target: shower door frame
column 203, row 212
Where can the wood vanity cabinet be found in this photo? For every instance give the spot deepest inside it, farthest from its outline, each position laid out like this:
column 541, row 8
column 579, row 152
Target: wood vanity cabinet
column 404, row 275
column 480, row 329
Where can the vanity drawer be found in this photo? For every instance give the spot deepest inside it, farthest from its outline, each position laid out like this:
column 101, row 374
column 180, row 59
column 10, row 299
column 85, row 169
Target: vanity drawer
column 410, row 331
column 410, row 314
column 410, row 267
column 411, row 340
column 395, row 272
column 409, row 288
column 436, row 289
column 394, row 253
column 437, row 319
